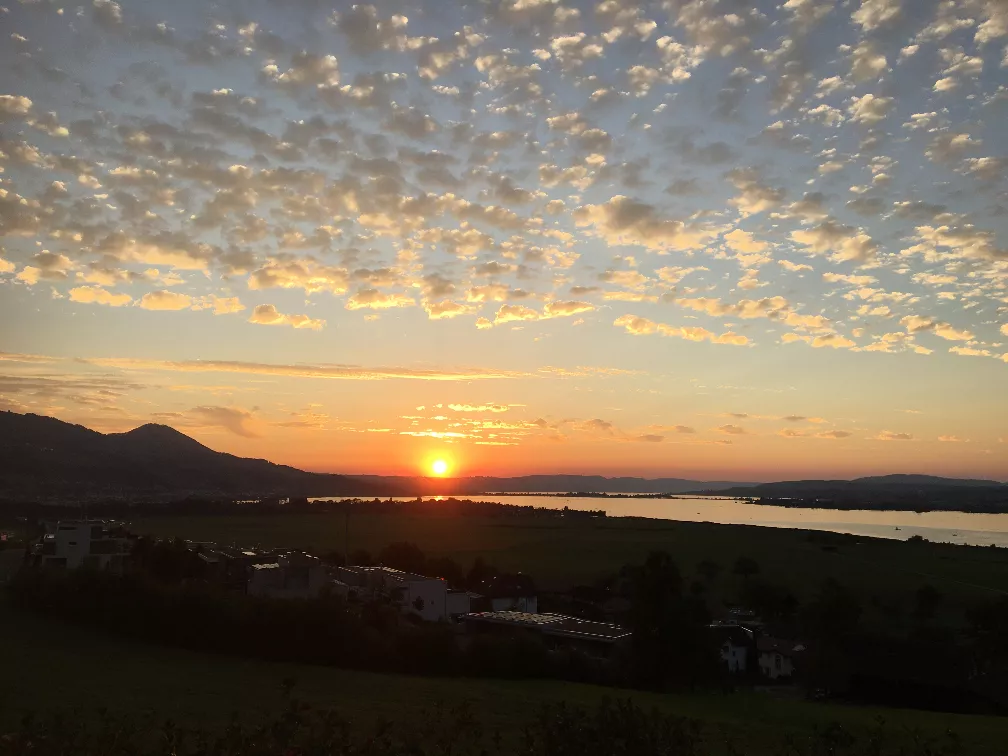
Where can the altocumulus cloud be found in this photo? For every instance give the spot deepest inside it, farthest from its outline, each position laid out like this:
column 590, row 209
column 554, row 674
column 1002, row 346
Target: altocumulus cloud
column 98, row 295
column 267, row 314
column 165, row 300
column 638, row 326
column 893, row 436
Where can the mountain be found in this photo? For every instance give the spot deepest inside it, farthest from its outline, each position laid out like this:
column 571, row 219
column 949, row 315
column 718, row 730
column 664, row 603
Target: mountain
column 42, row 456
column 45, row 457
column 895, row 492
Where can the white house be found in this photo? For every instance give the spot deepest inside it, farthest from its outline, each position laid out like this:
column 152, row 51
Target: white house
column 422, row 596
column 459, row 603
column 777, row 656
column 734, row 656
column 93, row 544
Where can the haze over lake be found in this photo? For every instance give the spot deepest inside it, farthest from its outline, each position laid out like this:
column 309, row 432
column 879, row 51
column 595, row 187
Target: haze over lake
column 974, row 529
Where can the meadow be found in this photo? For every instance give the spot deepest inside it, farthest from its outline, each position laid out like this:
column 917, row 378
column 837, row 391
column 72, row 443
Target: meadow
column 562, row 552
column 78, row 672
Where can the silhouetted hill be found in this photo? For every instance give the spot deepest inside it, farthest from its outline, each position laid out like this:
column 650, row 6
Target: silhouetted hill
column 897, row 492
column 42, row 456
column 546, row 484
column 45, row 457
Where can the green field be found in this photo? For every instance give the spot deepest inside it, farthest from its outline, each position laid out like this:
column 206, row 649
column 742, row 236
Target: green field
column 52, row 667
column 559, row 553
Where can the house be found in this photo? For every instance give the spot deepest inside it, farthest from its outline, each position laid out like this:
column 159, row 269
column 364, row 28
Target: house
column 458, row 603
column 556, row 630
column 229, row 565
column 92, row 544
column 418, row 595
column 734, row 656
column 777, row 657
column 292, row 575
column 512, row 593
column 737, row 646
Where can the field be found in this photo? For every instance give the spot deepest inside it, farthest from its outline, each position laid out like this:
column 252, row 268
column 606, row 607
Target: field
column 68, row 669
column 559, row 553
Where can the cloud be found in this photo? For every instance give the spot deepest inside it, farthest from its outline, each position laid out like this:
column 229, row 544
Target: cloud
column 107, row 14
column 918, row 323
column 754, row 196
column 225, row 305
column 731, row 430
column 622, row 220
column 165, row 300
column 869, row 109
column 14, row 106
column 842, row 243
column 496, row 408
column 341, row 372
column 891, row 436
column 834, row 434
column 650, row 438
column 597, row 425
column 373, row 299
column 238, row 421
column 98, row 295
column 637, row 326
column 513, row 313
column 566, row 309
column 46, row 266
column 873, row 14
column 267, row 314
column 305, row 274
column 833, row 341
column 445, row 309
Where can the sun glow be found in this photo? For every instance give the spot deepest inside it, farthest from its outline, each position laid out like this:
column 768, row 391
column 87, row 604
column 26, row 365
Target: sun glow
column 439, row 467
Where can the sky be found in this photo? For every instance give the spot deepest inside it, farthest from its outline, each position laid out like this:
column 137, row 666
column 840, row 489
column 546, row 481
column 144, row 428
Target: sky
column 693, row 238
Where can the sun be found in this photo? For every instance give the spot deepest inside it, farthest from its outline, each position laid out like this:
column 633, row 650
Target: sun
column 439, row 467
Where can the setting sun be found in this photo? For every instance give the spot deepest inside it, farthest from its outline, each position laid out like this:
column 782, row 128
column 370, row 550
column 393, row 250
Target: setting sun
column 439, row 467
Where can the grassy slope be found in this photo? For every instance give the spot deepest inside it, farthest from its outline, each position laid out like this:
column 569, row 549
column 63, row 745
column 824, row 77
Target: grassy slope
column 62, row 668
column 559, row 553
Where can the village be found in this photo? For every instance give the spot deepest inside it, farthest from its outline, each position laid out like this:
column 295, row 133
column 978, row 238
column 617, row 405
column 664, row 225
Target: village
column 506, row 605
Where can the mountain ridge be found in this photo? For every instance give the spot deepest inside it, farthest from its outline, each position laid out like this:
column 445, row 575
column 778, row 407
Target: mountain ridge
column 43, row 457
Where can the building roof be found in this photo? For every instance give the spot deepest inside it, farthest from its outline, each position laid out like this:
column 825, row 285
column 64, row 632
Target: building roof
column 388, row 572
column 554, row 624
column 267, row 566
column 780, row 646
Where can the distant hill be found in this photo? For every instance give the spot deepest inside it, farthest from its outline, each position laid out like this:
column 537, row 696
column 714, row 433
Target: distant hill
column 546, row 484
column 41, row 456
column 896, row 492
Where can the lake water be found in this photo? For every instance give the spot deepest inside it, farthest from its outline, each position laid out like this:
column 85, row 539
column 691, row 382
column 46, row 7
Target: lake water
column 947, row 527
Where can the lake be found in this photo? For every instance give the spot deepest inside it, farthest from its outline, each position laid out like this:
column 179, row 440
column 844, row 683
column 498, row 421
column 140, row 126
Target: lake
column 946, row 527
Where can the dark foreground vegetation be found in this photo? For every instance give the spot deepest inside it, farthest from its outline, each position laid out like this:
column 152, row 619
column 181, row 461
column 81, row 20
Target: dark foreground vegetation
column 618, row 728
column 166, row 597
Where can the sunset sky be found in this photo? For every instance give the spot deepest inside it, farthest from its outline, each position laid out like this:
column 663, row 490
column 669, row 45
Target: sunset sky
column 684, row 238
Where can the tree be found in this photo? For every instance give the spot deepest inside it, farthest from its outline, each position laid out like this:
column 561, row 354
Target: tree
column 669, row 641
column 404, row 556
column 926, row 601
column 746, row 567
column 710, row 570
column 834, row 613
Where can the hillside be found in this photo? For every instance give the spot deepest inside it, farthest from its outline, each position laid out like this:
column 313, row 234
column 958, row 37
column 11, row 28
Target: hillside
column 42, row 456
column 896, row 492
